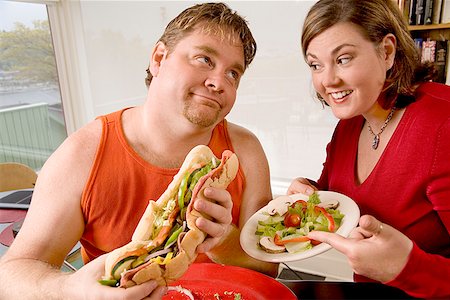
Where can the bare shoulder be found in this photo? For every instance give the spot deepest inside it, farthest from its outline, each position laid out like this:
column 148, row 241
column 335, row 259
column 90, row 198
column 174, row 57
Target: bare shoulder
column 71, row 163
column 254, row 164
column 79, row 149
column 243, row 139
column 249, row 150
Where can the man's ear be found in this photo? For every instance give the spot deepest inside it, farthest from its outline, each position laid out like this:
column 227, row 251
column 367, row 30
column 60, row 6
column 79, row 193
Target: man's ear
column 389, row 47
column 158, row 54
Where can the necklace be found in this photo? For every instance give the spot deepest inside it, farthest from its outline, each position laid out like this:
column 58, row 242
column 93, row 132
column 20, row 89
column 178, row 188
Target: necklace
column 376, row 137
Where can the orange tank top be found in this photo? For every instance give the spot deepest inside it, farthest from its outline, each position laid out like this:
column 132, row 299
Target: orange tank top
column 121, row 183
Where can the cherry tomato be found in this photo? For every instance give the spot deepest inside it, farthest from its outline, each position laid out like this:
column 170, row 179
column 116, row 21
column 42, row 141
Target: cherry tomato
column 292, row 220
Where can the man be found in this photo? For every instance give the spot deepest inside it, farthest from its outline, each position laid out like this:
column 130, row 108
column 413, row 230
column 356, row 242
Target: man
column 96, row 186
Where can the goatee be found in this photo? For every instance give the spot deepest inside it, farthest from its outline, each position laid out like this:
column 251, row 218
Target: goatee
column 197, row 117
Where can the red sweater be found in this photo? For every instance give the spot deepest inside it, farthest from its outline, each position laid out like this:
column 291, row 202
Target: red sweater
column 121, row 183
column 409, row 188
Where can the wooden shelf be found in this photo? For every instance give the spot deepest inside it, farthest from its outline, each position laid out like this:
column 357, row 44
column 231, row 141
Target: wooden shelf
column 432, row 31
column 429, row 27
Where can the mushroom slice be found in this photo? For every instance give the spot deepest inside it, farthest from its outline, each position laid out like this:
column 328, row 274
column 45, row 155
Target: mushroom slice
column 279, row 205
column 267, row 244
column 330, row 203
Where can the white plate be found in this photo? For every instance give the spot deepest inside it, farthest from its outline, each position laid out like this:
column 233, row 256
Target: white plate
column 249, row 240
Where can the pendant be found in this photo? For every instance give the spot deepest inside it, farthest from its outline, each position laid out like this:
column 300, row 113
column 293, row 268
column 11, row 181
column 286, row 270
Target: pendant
column 375, row 142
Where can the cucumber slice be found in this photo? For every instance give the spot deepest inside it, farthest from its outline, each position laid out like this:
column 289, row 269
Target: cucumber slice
column 121, row 266
column 139, row 261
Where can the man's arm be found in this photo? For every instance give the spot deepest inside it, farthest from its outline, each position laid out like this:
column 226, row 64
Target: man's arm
column 257, row 194
column 54, row 222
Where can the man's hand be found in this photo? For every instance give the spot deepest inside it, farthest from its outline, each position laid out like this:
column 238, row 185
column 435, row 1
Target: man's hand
column 218, row 206
column 84, row 284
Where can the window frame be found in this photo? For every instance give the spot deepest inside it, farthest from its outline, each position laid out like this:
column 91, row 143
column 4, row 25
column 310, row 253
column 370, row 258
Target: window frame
column 68, row 45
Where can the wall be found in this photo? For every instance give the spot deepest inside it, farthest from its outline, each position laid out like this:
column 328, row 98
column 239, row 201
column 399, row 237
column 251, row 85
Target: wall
column 275, row 97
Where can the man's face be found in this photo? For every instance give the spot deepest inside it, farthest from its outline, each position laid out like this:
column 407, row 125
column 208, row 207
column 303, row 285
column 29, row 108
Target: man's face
column 200, row 77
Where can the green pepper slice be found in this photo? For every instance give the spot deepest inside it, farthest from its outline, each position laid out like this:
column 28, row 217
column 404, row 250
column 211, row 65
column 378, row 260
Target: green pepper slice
column 108, row 282
column 182, row 189
column 173, row 236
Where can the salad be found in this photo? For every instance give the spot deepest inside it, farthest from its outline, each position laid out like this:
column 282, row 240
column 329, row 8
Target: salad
column 288, row 224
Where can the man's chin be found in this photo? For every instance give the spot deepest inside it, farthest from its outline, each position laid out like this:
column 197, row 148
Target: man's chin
column 204, row 120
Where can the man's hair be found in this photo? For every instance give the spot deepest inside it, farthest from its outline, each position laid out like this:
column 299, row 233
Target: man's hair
column 375, row 19
column 215, row 18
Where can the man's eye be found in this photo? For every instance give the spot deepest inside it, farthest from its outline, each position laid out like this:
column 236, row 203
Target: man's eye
column 204, row 59
column 233, row 74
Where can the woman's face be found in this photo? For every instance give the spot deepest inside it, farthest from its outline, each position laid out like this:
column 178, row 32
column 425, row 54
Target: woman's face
column 349, row 71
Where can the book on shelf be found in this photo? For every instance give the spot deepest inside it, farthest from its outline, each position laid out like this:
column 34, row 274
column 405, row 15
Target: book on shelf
column 418, row 42
column 425, row 12
column 420, row 12
column 428, row 51
column 428, row 12
column 437, row 8
column 435, row 51
column 440, row 61
column 445, row 11
column 404, row 8
column 412, row 12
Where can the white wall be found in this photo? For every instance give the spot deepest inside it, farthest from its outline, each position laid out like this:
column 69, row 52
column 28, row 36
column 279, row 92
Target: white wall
column 275, row 99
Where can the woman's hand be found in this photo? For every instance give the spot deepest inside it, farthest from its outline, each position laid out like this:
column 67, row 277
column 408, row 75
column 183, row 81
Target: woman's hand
column 83, row 284
column 374, row 249
column 218, row 206
column 301, row 185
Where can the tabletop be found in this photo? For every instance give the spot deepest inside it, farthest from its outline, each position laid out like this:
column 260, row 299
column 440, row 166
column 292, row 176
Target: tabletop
column 305, row 289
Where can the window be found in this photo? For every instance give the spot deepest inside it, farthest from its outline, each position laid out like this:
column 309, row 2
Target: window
column 32, row 122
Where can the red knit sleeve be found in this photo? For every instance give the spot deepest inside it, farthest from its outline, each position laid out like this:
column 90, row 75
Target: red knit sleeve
column 426, row 275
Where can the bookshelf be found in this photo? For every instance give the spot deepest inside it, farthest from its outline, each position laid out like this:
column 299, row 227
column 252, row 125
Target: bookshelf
column 432, row 31
column 430, row 28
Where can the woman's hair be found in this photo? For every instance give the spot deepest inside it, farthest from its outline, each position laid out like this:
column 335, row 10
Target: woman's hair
column 376, row 19
column 211, row 18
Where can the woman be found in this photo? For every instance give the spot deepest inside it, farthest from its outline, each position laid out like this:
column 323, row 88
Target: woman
column 390, row 151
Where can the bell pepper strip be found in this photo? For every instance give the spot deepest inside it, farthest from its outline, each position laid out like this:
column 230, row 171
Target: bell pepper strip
column 279, row 242
column 303, row 203
column 331, row 223
column 315, row 243
column 173, row 236
column 182, row 189
column 185, row 183
column 165, row 230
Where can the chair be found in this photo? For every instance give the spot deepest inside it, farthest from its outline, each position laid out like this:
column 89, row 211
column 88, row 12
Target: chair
column 15, row 176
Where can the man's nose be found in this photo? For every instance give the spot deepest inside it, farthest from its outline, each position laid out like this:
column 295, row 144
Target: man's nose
column 215, row 82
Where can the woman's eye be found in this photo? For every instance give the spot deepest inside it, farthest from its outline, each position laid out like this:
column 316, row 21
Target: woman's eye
column 343, row 60
column 314, row 66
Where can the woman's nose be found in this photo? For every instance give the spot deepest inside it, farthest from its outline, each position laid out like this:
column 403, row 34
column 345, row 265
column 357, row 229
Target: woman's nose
column 330, row 77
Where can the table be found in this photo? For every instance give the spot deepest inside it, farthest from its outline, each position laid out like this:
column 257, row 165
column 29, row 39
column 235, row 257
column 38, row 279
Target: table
column 16, row 199
column 305, row 289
